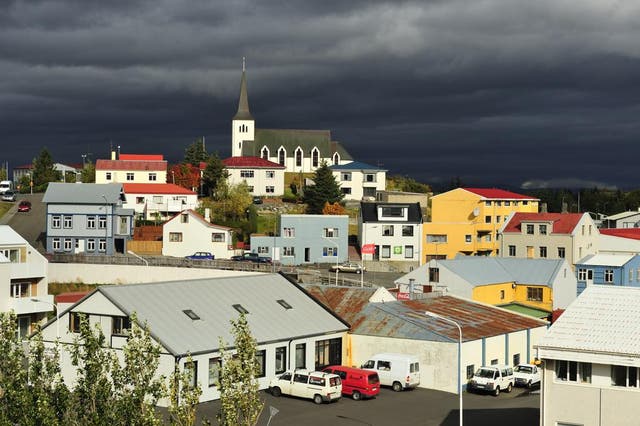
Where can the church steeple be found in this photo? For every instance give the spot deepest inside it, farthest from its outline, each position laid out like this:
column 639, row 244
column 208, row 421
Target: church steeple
column 243, row 104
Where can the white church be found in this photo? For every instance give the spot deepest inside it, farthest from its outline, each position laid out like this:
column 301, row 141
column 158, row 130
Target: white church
column 299, row 151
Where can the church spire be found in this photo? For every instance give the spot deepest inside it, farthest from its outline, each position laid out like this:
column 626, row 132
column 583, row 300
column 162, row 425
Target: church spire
column 243, row 104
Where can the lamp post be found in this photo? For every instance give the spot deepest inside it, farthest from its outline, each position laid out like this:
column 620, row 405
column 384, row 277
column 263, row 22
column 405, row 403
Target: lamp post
column 336, row 255
column 440, row 317
column 55, row 307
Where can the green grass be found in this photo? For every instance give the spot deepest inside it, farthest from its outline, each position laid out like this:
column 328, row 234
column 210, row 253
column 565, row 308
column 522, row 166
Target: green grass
column 4, row 208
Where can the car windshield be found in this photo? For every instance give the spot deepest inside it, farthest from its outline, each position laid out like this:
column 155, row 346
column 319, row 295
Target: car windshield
column 523, row 369
column 485, row 372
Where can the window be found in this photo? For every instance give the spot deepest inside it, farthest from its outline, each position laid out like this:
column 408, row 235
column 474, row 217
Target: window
column 139, row 200
column 467, row 238
column 498, row 203
column 261, row 358
column 369, row 177
column 102, row 244
column 507, row 203
column 487, row 203
column 217, row 237
column 494, row 361
column 281, row 156
column 67, row 222
column 108, row 175
column 153, row 177
column 408, row 252
column 529, row 229
column 501, row 294
column 270, row 189
column 345, row 177
column 175, row 237
column 91, row 222
column 270, row 174
column 301, row 355
column 298, row 157
column 246, row 173
column 345, row 191
column 288, row 251
column 264, row 153
column 542, row 229
column 534, row 294
column 407, row 230
column 55, row 244
column 470, row 370
column 331, row 232
column 129, row 176
column 386, row 252
column 315, row 157
column 55, row 222
column 289, row 232
column 512, row 251
column 498, row 217
column 191, row 370
column 392, row 211
column 68, row 243
column 336, row 159
column 281, row 359
column 330, row 251
column 561, row 252
column 215, row 365
column 582, row 274
column 608, row 275
column 435, row 238
column 434, row 275
column 20, row 290
column 263, row 250
column 120, row 326
column 543, row 251
column 91, row 244
column 158, row 199
column 102, row 222
column 387, row 230
column 75, row 318
column 516, row 359
column 573, row 371
column 328, row 352
column 487, row 219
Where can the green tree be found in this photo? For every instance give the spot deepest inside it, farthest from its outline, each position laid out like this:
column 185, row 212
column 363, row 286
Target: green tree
column 44, row 171
column 184, row 396
column 214, row 174
column 14, row 399
column 325, row 190
column 195, row 153
column 240, row 402
column 238, row 200
column 89, row 172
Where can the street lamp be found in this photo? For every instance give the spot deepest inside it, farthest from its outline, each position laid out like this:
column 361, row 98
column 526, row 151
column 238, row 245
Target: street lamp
column 336, row 255
column 55, row 307
column 440, row 317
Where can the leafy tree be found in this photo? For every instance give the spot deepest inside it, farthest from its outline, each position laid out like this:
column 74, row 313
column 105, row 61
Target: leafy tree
column 214, row 174
column 89, row 172
column 240, row 402
column 333, row 209
column 184, row 396
column 14, row 399
column 185, row 175
column 325, row 190
column 44, row 170
column 195, row 153
column 238, row 200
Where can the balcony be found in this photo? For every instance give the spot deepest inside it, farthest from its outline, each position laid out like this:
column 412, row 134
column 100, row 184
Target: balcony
column 28, row 305
column 32, row 269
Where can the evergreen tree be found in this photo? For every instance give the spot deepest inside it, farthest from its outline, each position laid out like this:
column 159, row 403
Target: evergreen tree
column 195, row 153
column 44, row 171
column 240, row 403
column 213, row 175
column 325, row 190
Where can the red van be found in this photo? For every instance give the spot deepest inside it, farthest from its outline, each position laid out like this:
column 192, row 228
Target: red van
column 356, row 382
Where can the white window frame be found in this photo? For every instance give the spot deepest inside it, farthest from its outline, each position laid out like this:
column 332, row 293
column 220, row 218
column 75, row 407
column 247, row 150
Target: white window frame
column 91, row 222
column 67, row 222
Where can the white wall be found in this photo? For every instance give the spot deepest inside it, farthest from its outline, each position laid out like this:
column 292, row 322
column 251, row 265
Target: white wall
column 196, row 236
column 167, row 205
column 260, row 180
column 139, row 176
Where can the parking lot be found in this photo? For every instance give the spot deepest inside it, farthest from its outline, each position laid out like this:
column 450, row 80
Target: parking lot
column 408, row 408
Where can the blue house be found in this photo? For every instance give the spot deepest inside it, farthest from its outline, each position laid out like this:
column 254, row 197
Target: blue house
column 87, row 218
column 303, row 239
column 608, row 269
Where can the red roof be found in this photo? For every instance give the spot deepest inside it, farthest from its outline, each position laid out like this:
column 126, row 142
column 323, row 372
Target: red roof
column 250, row 162
column 563, row 223
column 633, row 233
column 132, row 165
column 142, row 157
column 498, row 194
column 155, row 188
column 70, row 297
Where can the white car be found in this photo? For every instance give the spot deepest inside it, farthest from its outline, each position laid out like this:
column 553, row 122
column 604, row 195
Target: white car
column 316, row 385
column 526, row 375
column 493, row 379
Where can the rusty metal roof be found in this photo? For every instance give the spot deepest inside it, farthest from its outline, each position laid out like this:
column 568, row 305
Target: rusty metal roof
column 346, row 302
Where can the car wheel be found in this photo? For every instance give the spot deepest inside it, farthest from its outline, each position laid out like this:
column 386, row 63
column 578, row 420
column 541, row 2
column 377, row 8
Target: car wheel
column 496, row 392
column 397, row 386
column 317, row 399
column 509, row 388
column 276, row 391
column 358, row 271
column 529, row 384
column 356, row 396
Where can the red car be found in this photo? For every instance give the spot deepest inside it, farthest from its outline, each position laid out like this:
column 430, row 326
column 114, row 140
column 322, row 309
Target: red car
column 24, row 206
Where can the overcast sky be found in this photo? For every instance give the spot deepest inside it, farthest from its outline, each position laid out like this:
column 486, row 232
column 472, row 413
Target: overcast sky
column 512, row 93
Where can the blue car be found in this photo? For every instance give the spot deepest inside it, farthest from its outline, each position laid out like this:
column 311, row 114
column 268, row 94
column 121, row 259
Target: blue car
column 200, row 255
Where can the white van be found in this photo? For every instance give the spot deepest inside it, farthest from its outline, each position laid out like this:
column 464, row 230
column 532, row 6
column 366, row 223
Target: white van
column 493, row 379
column 5, row 186
column 400, row 371
column 316, row 385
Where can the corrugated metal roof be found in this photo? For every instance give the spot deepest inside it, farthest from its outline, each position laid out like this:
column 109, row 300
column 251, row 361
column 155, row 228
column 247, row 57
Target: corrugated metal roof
column 82, row 193
column 212, row 299
column 606, row 259
column 347, row 302
column 602, row 319
column 247, row 161
column 8, row 236
column 622, row 215
column 498, row 194
column 356, row 165
column 142, row 157
column 631, row 233
column 563, row 223
column 131, row 165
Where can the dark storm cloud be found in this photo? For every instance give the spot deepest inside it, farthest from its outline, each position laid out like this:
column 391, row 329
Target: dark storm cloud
column 494, row 92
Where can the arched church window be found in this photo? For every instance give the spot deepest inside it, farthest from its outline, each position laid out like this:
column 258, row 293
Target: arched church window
column 298, row 157
column 281, row 156
column 336, row 159
column 315, row 157
column 264, row 153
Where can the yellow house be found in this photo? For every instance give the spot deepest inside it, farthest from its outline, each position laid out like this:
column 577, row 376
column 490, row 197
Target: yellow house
column 466, row 221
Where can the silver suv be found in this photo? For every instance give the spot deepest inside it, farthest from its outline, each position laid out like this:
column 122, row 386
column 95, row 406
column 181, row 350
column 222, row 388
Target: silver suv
column 493, row 378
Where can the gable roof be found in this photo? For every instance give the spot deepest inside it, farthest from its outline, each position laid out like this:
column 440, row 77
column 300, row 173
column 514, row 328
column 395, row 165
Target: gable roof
column 82, row 193
column 290, row 139
column 162, row 306
column 156, row 188
column 631, row 233
column 132, row 165
column 199, row 218
column 142, row 157
column 603, row 319
column 498, row 194
column 356, row 165
column 8, row 236
column 346, row 302
column 369, row 212
column 622, row 215
column 255, row 162
column 602, row 259
column 562, row 223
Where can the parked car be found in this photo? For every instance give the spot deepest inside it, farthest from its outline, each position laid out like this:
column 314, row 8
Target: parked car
column 24, row 206
column 316, row 385
column 493, row 379
column 257, row 200
column 200, row 255
column 526, row 375
column 400, row 371
column 251, row 257
column 353, row 267
column 9, row 196
column 356, row 382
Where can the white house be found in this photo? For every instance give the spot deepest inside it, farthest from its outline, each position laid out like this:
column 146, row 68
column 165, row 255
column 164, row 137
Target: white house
column 188, row 232
column 359, row 181
column 158, row 200
column 262, row 176
column 590, row 360
column 189, row 317
column 132, row 168
column 23, row 281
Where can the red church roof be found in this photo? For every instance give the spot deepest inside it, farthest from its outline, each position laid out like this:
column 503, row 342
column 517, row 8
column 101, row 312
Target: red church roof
column 131, row 165
column 255, row 162
column 563, row 223
column 155, row 188
column 498, row 194
column 142, row 157
column 633, row 233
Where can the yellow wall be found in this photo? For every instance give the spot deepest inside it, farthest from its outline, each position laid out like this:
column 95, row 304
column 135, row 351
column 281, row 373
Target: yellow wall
column 547, row 297
column 491, row 294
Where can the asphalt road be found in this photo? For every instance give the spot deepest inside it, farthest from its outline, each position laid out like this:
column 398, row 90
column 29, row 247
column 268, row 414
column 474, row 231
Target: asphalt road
column 29, row 225
column 416, row 407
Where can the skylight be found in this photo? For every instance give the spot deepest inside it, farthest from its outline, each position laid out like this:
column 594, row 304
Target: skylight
column 191, row 314
column 284, row 304
column 238, row 307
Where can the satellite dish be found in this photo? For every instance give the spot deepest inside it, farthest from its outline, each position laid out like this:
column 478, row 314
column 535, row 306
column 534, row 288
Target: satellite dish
column 476, row 212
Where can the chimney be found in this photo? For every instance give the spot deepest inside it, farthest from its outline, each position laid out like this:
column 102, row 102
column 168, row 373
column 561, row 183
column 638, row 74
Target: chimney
column 543, row 208
column 564, row 207
column 113, row 155
column 207, row 214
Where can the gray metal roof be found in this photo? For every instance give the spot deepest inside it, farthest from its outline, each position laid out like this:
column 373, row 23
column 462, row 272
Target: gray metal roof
column 356, row 165
column 212, row 299
column 82, row 193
